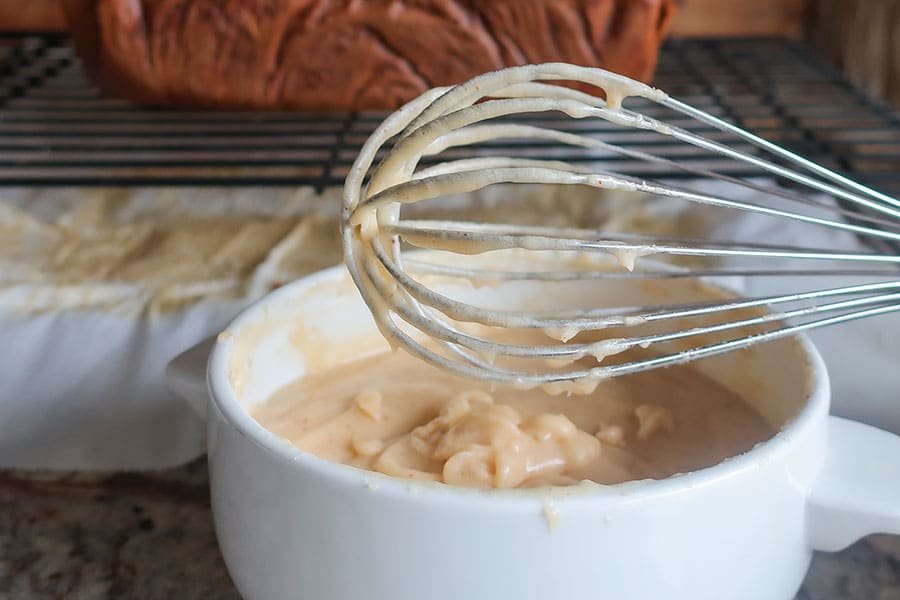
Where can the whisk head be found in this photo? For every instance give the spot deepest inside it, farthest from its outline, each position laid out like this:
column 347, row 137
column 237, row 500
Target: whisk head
column 831, row 258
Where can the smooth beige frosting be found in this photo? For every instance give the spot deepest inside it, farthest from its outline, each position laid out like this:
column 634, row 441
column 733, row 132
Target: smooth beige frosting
column 397, row 415
column 167, row 247
column 95, row 247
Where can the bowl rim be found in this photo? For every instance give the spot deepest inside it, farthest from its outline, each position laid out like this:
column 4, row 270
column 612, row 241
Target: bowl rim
column 223, row 397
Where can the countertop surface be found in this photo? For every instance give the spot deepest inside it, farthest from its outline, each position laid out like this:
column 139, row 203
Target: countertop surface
column 151, row 536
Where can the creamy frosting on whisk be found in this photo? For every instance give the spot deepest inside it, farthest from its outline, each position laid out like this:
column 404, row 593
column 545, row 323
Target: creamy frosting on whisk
column 481, row 111
column 455, row 117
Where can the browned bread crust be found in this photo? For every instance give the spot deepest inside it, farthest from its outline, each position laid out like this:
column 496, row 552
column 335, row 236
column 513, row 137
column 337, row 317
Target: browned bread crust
column 346, row 54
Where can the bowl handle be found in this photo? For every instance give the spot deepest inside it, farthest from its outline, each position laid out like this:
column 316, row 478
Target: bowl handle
column 186, row 375
column 858, row 490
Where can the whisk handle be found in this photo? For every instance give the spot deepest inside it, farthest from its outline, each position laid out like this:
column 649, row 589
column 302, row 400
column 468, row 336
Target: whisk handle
column 857, row 491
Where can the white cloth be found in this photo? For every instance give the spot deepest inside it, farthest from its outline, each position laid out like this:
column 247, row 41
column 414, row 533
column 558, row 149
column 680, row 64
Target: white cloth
column 86, row 390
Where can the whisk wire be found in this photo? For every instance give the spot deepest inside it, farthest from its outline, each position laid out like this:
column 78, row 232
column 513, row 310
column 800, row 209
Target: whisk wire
column 456, row 335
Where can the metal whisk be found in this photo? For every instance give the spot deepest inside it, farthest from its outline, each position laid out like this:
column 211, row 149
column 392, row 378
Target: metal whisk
column 779, row 184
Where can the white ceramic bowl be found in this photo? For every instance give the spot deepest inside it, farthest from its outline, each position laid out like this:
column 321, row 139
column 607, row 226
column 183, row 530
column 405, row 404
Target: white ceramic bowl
column 292, row 525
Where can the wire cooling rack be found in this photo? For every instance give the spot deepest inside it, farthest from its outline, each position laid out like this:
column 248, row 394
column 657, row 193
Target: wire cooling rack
column 56, row 129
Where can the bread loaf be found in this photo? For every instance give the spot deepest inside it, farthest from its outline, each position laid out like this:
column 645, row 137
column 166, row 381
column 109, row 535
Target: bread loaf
column 346, row 54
